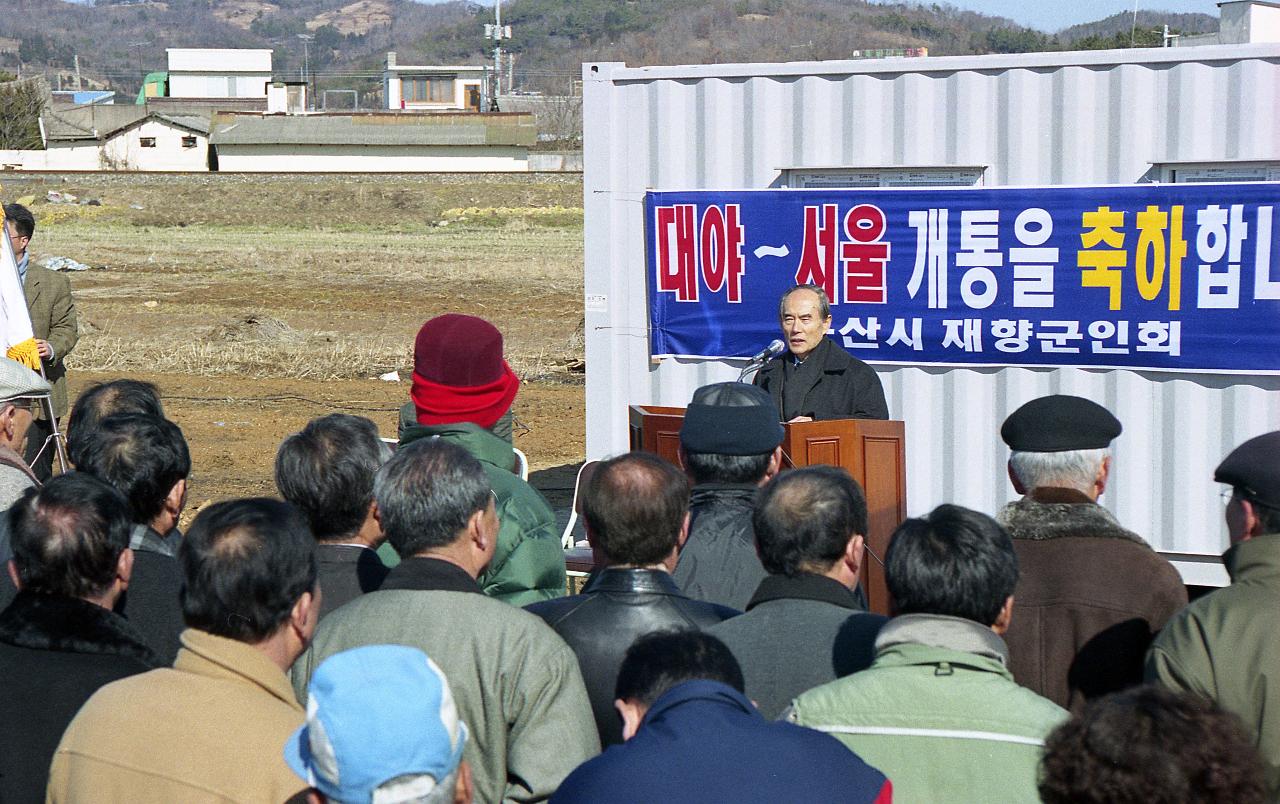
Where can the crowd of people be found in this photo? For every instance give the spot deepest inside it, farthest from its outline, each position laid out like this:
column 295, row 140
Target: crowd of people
column 395, row 626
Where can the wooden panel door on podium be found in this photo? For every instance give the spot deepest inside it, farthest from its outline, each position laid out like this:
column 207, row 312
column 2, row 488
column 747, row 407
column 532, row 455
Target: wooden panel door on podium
column 872, row 451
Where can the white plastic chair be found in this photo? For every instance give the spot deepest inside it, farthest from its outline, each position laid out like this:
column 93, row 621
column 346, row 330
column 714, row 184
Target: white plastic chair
column 566, row 538
column 522, row 463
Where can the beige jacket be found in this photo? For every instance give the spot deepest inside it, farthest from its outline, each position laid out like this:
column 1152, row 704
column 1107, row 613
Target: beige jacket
column 210, row 729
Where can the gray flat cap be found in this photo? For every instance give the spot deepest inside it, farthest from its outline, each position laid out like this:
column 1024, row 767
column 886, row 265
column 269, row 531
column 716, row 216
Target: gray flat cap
column 17, row 380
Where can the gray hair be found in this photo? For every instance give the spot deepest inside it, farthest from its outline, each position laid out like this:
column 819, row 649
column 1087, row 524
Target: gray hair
column 407, row 789
column 426, row 494
column 1072, row 469
column 824, row 303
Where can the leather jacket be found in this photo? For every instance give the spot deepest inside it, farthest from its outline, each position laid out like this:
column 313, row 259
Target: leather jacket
column 615, row 607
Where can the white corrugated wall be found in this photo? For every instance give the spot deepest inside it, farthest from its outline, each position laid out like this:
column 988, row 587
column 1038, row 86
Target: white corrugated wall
column 1033, row 119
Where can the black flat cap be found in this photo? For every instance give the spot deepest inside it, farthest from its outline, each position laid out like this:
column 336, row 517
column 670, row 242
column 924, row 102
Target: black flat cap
column 1254, row 466
column 1059, row 423
column 731, row 418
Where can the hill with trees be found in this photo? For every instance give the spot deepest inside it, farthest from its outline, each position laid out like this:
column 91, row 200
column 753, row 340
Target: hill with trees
column 346, row 41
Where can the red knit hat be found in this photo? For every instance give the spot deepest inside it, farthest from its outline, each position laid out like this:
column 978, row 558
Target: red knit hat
column 459, row 374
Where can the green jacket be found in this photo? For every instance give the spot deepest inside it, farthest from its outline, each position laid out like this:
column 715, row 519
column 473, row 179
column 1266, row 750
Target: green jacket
column 939, row 713
column 516, row 683
column 53, row 319
column 1224, row 646
column 528, row 565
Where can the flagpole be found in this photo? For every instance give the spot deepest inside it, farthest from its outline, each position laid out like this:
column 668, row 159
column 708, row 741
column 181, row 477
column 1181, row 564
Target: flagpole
column 59, row 441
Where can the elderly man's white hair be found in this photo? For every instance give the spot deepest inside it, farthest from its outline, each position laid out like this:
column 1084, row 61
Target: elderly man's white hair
column 1072, row 469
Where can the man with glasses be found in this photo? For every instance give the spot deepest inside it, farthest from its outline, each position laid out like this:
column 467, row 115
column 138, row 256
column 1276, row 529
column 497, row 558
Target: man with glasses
column 53, row 322
column 20, row 390
column 20, row 393
column 1223, row 646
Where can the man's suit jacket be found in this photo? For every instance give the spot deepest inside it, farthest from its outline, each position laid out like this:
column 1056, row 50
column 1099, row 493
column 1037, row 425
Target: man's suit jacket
column 53, row 319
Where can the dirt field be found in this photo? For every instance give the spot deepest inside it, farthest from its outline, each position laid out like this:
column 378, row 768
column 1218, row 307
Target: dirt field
column 257, row 303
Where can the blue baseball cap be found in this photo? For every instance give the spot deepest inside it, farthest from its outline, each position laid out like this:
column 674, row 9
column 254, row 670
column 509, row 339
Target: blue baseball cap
column 374, row 714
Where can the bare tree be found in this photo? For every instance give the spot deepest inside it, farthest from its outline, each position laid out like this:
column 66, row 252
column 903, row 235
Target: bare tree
column 21, row 103
column 560, row 119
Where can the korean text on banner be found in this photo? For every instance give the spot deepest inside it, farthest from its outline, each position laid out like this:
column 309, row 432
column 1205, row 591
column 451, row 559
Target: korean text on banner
column 1165, row 277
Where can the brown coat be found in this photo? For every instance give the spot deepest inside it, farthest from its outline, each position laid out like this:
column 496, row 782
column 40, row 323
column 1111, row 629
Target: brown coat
column 211, row 728
column 53, row 319
column 1090, row 598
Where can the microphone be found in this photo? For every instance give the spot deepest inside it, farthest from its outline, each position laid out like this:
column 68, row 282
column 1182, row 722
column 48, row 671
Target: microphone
column 775, row 348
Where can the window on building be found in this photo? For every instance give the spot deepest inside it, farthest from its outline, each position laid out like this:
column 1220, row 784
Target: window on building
column 147, row 142
column 427, row 90
column 188, row 142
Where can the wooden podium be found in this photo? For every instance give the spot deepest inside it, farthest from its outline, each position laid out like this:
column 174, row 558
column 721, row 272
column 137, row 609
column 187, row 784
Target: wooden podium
column 873, row 452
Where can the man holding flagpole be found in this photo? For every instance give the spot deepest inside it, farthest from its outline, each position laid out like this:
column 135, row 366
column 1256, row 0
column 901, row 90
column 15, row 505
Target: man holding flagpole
column 50, row 321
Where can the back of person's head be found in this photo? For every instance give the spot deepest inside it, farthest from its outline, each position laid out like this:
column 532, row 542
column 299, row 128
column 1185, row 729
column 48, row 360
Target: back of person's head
column 381, row 727
column 955, row 562
column 427, row 493
column 327, row 470
column 729, row 433
column 657, row 662
column 635, row 506
column 245, row 563
column 459, row 373
column 1071, row 469
column 1148, row 745
column 804, row 518
column 67, row 536
column 1059, row 441
column 23, row 221
column 104, row 399
column 142, row 456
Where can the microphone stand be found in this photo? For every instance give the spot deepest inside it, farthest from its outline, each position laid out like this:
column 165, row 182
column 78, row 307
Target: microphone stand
column 751, row 367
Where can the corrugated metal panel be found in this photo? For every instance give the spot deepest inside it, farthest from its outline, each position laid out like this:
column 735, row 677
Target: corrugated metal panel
column 1047, row 118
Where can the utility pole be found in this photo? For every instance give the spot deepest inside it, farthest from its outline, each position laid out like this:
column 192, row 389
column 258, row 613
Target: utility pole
column 497, row 32
column 306, row 64
column 77, row 62
column 137, row 62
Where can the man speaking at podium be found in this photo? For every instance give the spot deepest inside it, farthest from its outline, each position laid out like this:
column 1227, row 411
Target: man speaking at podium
column 815, row 378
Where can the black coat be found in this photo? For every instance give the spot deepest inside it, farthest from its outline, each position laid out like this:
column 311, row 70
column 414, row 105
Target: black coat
column 846, row 388
column 55, row 652
column 798, row 633
column 346, row 572
column 615, row 607
column 151, row 604
column 718, row 563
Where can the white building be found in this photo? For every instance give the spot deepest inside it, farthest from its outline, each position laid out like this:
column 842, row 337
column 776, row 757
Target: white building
column 218, row 72
column 130, row 138
column 432, row 88
column 374, row 143
column 1240, row 22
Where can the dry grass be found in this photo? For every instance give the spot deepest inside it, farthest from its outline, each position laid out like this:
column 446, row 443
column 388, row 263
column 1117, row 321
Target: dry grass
column 330, row 296
column 340, row 359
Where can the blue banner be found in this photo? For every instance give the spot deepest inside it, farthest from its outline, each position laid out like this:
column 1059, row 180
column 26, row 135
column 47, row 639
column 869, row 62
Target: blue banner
column 1170, row 277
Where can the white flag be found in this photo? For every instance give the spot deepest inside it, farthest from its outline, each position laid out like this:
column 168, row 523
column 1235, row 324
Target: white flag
column 16, row 336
